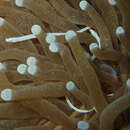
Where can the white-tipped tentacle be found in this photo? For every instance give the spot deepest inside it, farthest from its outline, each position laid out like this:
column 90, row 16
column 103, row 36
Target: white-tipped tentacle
column 76, row 109
column 20, row 39
column 2, row 66
column 6, row 94
column 32, row 70
column 128, row 83
column 36, row 30
column 31, row 61
column 19, row 3
column 22, row 69
column 112, row 2
column 120, row 30
column 83, row 125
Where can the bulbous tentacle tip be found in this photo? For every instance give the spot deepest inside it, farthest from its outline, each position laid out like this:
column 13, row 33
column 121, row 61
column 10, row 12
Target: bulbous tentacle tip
column 128, row 83
column 112, row 2
column 50, row 38
column 2, row 21
column 93, row 46
column 70, row 86
column 31, row 60
column 2, row 66
column 83, row 5
column 36, row 29
column 32, row 70
column 53, row 47
column 83, row 125
column 6, row 94
column 19, row 3
column 22, row 69
column 120, row 30
column 70, row 35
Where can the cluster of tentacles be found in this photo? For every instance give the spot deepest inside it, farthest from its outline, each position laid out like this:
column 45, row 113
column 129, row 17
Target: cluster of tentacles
column 64, row 64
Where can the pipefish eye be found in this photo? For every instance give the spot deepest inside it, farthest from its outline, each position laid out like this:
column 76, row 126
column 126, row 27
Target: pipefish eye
column 64, row 64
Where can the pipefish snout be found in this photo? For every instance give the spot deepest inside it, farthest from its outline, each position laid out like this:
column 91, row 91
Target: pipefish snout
column 64, row 65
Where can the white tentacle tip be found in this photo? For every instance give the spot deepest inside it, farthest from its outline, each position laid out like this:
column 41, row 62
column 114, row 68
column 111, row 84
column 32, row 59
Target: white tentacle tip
column 10, row 40
column 22, row 69
column 32, row 70
column 109, row 69
column 112, row 2
column 70, row 85
column 128, row 83
column 120, row 30
column 50, row 38
column 6, row 94
column 53, row 47
column 2, row 66
column 36, row 29
column 83, row 5
column 32, row 61
column 93, row 46
column 2, row 21
column 70, row 35
column 19, row 3
column 83, row 125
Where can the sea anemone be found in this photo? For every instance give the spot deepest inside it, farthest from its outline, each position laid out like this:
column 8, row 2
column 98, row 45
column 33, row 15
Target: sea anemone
column 64, row 64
